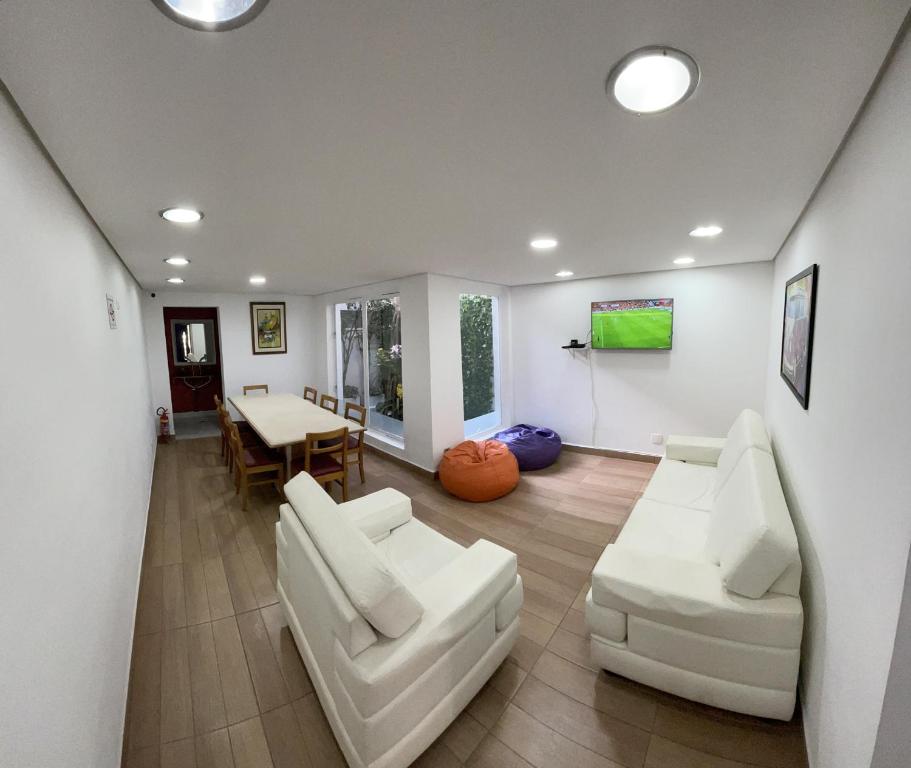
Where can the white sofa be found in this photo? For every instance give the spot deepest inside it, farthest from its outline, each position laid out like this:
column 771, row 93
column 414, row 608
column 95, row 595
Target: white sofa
column 399, row 627
column 699, row 595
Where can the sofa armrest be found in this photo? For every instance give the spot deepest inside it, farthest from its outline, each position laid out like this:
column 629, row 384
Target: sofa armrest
column 691, row 595
column 698, row 450
column 456, row 599
column 377, row 514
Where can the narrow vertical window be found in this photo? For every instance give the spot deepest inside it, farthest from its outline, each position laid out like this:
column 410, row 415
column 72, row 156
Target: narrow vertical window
column 480, row 363
column 384, row 356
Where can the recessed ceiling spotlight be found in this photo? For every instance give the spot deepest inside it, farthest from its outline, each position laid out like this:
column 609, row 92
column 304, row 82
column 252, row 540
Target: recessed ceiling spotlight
column 211, row 15
column 175, row 280
column 257, row 280
column 652, row 79
column 706, row 230
column 683, row 260
column 181, row 215
column 563, row 273
column 177, row 261
column 544, row 243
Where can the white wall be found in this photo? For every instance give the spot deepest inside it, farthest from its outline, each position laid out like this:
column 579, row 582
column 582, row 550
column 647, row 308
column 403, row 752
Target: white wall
column 283, row 373
column 715, row 369
column 845, row 461
column 77, row 453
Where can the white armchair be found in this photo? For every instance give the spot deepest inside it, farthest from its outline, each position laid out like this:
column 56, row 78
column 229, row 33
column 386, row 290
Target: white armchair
column 699, row 596
column 399, row 627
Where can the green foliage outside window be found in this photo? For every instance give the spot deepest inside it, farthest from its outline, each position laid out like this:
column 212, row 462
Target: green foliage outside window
column 477, row 355
column 384, row 328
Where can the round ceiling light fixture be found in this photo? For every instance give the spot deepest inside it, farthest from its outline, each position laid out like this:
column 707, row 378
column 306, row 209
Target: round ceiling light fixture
column 211, row 15
column 652, row 79
column 563, row 273
column 257, row 280
column 177, row 261
column 175, row 280
column 706, row 230
column 684, row 260
column 545, row 243
column 181, row 215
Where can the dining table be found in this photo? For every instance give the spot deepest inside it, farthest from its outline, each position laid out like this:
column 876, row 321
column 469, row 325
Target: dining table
column 283, row 420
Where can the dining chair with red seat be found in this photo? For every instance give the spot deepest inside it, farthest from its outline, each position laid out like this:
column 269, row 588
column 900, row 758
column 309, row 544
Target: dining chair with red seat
column 320, row 462
column 247, row 436
column 255, row 465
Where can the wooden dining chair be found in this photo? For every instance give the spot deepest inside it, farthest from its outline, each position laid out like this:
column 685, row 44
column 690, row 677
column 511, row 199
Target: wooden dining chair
column 310, row 394
column 329, row 402
column 255, row 465
column 248, row 437
column 358, row 413
column 221, row 426
column 320, row 462
column 256, row 387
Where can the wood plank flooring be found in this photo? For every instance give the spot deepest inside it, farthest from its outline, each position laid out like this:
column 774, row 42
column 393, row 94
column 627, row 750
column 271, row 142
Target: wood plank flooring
column 217, row 681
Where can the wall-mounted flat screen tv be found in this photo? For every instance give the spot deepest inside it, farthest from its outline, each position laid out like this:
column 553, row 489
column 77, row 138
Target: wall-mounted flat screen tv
column 633, row 324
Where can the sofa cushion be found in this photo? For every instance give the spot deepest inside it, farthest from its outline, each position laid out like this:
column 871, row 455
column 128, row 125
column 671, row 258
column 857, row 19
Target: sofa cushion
column 371, row 585
column 690, row 595
column 682, row 484
column 665, row 529
column 747, row 432
column 416, row 552
column 750, row 532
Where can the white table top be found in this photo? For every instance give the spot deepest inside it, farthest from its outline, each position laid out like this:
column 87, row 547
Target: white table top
column 282, row 419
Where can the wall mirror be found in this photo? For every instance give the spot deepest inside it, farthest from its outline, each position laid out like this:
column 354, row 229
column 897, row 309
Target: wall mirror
column 193, row 342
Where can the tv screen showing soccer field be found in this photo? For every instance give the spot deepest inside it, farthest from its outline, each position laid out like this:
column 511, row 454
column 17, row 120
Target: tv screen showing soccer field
column 633, row 324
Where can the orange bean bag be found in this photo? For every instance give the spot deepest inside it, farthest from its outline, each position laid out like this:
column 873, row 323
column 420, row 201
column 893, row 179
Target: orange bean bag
column 479, row 470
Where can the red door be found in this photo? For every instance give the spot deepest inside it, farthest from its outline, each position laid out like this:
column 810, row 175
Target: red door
column 194, row 357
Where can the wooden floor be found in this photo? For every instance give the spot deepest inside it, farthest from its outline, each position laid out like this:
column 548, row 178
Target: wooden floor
column 217, row 681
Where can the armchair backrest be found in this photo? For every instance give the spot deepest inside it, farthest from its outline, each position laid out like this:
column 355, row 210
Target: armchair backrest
column 371, row 585
column 750, row 534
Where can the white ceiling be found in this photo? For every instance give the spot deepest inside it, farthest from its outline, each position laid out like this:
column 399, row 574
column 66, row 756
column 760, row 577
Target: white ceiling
column 337, row 143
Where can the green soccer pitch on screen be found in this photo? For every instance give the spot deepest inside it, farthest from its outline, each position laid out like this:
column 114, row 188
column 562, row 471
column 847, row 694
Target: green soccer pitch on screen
column 633, row 324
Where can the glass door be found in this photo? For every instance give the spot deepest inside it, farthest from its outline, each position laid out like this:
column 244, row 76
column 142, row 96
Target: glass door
column 368, row 350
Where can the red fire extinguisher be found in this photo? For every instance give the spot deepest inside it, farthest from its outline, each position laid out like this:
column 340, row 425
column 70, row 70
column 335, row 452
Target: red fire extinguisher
column 164, row 425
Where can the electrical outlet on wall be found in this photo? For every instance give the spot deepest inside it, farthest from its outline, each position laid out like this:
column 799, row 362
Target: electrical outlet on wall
column 657, row 438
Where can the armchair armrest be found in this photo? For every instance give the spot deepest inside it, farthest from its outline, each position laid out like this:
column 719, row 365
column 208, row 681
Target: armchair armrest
column 377, row 514
column 698, row 450
column 690, row 595
column 455, row 599
column 460, row 593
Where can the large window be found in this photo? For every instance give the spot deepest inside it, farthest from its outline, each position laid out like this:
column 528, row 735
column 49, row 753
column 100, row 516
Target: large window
column 480, row 363
column 369, row 360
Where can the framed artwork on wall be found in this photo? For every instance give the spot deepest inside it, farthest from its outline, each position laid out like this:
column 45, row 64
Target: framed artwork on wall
column 797, row 333
column 267, row 325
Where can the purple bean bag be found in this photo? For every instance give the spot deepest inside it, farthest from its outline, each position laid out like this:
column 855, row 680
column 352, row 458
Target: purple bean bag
column 533, row 447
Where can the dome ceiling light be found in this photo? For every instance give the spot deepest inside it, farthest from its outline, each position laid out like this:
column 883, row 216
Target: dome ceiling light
column 652, row 79
column 211, row 15
column 181, row 215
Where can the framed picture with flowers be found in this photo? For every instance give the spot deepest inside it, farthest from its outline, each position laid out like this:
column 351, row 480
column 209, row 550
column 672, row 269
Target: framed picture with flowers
column 267, row 324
